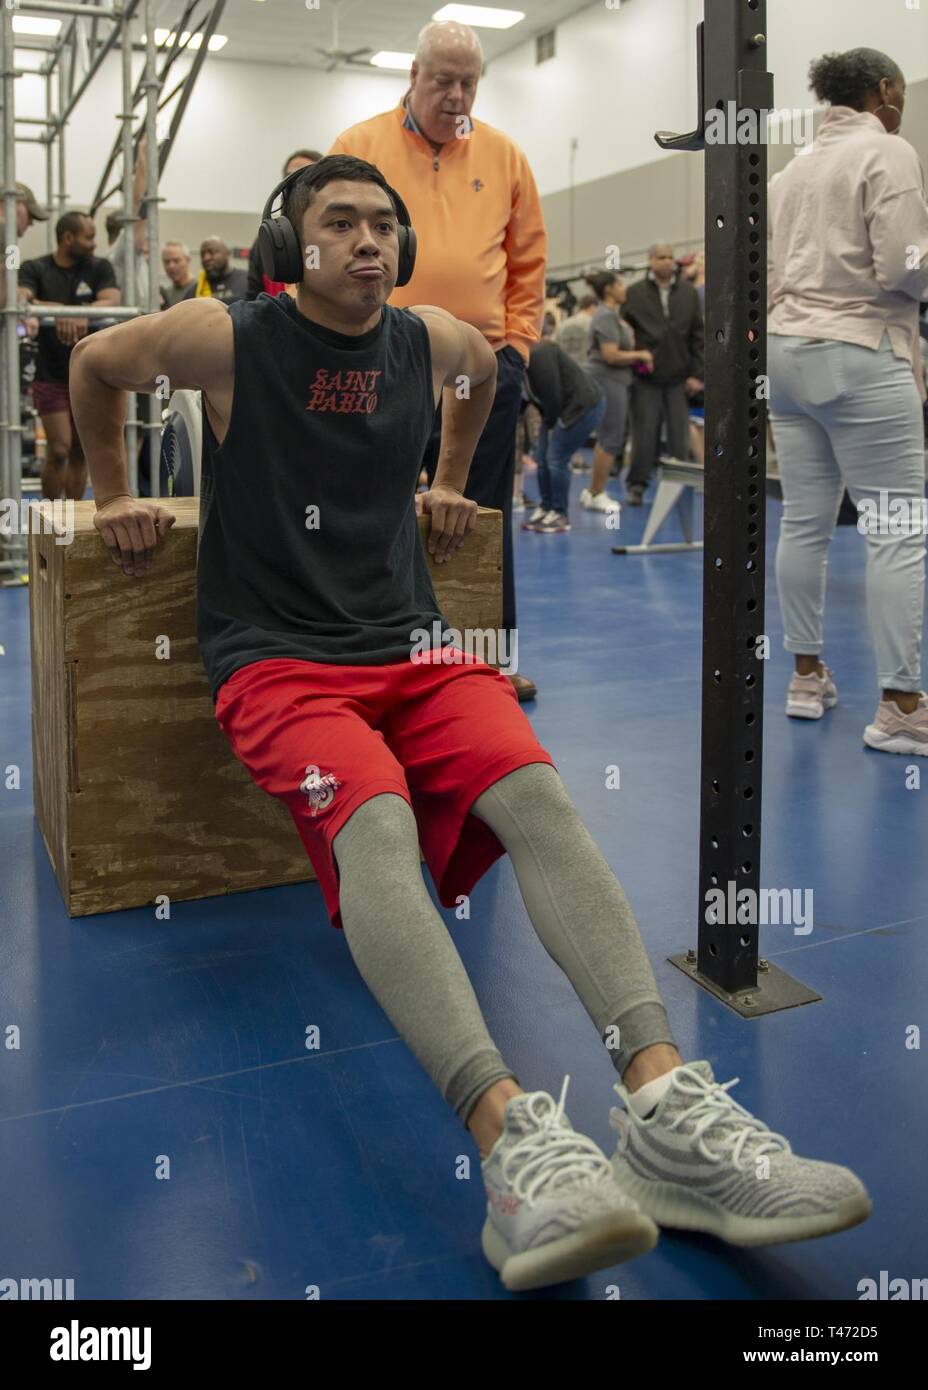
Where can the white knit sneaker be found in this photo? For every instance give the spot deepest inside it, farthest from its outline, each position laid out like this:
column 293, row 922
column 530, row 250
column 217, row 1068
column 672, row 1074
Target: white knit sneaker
column 895, row 732
column 808, row 697
column 599, row 502
column 702, row 1162
column 536, row 516
column 554, row 1210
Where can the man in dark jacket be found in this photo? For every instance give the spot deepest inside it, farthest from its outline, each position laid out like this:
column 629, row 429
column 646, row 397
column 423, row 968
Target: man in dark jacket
column 664, row 311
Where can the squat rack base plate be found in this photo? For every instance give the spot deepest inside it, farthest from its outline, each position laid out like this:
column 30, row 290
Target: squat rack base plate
column 775, row 990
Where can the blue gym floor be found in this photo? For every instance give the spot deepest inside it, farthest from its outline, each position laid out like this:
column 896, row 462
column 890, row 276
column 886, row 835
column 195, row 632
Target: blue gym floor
column 337, row 1169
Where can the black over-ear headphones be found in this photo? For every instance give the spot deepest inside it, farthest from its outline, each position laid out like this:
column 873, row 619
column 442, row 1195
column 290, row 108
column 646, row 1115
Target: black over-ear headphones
column 279, row 247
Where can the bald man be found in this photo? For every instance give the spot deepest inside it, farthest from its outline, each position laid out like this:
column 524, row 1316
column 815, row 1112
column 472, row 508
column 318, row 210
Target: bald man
column 217, row 279
column 482, row 246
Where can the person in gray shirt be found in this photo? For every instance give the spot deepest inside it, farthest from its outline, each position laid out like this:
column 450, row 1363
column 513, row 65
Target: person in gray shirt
column 117, row 255
column 573, row 335
column 610, row 361
column 175, row 257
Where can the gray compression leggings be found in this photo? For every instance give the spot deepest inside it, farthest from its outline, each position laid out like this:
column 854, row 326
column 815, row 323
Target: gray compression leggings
column 406, row 957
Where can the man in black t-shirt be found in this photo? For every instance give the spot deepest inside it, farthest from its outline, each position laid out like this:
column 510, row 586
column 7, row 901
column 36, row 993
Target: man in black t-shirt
column 311, row 620
column 217, row 279
column 71, row 274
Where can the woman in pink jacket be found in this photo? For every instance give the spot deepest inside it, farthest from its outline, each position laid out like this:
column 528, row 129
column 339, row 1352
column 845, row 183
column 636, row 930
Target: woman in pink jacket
column 848, row 227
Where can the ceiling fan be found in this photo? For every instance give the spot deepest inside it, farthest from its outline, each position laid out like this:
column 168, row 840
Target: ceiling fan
column 338, row 55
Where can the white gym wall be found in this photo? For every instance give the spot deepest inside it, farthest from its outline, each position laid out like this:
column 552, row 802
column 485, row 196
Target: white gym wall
column 618, row 75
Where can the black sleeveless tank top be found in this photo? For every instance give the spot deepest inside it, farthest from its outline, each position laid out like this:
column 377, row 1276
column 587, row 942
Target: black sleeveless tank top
column 308, row 542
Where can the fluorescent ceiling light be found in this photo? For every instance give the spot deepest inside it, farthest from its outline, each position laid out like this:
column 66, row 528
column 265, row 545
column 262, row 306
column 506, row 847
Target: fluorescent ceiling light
column 392, row 60
column 480, row 16
column 27, row 25
column 167, row 38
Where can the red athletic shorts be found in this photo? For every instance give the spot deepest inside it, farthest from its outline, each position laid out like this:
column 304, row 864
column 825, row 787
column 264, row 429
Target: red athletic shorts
column 325, row 738
column 51, row 397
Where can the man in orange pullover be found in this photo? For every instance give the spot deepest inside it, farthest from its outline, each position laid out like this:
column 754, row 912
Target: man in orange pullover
column 482, row 245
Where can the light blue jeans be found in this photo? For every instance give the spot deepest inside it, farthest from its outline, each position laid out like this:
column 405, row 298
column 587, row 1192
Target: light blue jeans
column 553, row 452
column 846, row 416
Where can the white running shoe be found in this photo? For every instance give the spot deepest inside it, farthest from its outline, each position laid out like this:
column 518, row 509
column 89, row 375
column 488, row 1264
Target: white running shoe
column 554, row 1211
column 808, row 697
column 599, row 502
column 895, row 732
column 701, row 1162
column 537, row 515
column 553, row 523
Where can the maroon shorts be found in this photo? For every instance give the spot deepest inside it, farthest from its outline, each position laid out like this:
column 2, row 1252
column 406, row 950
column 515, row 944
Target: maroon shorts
column 325, row 738
column 51, row 398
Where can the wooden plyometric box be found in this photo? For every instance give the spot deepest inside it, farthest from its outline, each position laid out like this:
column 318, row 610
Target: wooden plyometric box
column 137, row 791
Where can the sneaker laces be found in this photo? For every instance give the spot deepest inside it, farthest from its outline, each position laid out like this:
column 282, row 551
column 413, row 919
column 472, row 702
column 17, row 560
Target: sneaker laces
column 553, row 1154
column 714, row 1109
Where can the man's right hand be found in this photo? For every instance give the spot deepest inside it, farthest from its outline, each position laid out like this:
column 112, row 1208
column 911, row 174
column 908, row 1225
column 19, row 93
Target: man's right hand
column 131, row 529
column 70, row 331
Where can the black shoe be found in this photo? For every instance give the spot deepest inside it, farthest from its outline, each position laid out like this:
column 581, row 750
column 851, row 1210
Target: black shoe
column 634, row 495
column 525, row 688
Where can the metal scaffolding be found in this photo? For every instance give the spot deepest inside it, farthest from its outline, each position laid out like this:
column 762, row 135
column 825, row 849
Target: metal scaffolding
column 77, row 47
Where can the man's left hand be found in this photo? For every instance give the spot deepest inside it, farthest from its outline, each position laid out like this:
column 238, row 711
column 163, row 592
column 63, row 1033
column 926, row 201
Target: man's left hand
column 453, row 515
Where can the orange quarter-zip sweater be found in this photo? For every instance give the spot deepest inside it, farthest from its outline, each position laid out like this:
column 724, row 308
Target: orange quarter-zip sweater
column 482, row 245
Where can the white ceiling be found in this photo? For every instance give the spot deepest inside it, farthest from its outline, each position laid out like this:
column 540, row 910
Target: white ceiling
column 288, row 32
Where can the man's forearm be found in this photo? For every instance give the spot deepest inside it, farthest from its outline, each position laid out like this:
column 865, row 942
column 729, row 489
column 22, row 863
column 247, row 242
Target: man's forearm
column 100, row 416
column 462, row 423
